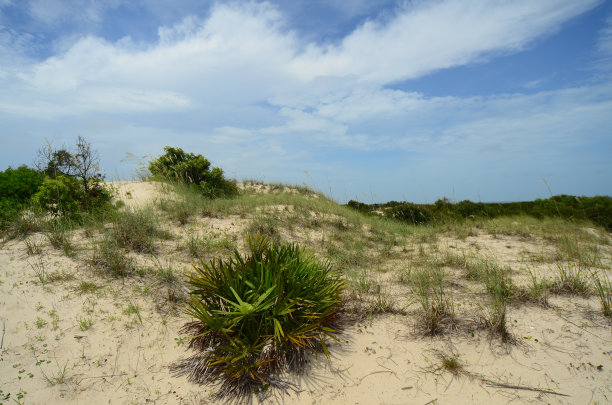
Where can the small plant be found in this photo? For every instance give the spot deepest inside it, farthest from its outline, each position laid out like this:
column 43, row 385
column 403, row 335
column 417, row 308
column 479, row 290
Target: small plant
column 59, row 234
column 40, row 323
column 258, row 315
column 196, row 246
column 85, row 323
column 33, row 246
column 165, row 276
column 359, row 282
column 500, row 289
column 133, row 309
column 539, row 290
column 264, row 225
column 381, row 303
column 451, row 363
column 87, row 287
column 40, row 271
column 58, row 378
column 603, row 287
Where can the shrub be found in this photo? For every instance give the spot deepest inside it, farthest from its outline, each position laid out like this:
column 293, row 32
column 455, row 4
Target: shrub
column 258, row 315
column 16, row 188
column 19, row 184
column 410, row 213
column 191, row 169
column 61, row 196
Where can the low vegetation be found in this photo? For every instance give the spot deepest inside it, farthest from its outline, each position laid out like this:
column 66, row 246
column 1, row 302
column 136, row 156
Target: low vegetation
column 596, row 209
column 259, row 315
column 259, row 302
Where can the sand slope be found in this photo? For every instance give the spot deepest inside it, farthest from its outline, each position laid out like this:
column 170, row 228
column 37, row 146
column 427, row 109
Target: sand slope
column 49, row 355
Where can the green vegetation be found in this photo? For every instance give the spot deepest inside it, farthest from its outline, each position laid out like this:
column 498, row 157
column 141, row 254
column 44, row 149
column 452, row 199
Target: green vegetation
column 67, row 184
column 137, row 230
column 259, row 315
column 194, row 170
column 603, row 287
column 17, row 186
column 596, row 209
column 436, row 302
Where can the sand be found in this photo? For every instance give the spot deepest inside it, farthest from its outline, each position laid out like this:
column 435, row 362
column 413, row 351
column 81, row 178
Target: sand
column 64, row 346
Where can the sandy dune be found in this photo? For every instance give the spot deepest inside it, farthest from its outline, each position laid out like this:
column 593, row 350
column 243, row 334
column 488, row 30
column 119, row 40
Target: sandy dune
column 66, row 344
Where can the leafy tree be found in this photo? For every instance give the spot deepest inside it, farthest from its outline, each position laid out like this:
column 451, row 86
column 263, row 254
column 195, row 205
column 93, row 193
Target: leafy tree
column 82, row 162
column 73, row 179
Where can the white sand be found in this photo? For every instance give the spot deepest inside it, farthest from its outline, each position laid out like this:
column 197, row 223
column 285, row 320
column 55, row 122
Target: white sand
column 49, row 359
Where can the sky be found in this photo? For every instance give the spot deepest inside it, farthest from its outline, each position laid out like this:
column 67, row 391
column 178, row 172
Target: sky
column 371, row 100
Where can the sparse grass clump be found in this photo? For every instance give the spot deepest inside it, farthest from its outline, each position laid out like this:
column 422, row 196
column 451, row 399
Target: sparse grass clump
column 110, row 258
column 33, row 246
column 200, row 246
column 87, row 287
column 539, row 290
column 137, row 230
column 435, row 300
column 258, row 315
column 59, row 234
column 264, row 225
column 603, row 287
column 572, row 278
column 451, row 363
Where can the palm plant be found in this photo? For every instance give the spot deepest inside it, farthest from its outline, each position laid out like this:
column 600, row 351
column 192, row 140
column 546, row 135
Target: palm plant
column 258, row 315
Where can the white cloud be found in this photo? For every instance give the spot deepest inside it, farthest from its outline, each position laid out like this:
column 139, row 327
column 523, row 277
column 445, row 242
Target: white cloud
column 427, row 36
column 242, row 54
column 240, row 85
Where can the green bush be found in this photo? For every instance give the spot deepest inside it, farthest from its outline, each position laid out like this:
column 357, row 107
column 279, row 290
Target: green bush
column 258, row 315
column 61, row 196
column 66, row 196
column 16, row 188
column 19, row 184
column 410, row 213
column 191, row 169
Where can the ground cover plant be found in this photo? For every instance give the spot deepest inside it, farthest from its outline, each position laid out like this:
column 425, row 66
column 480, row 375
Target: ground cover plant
column 259, row 315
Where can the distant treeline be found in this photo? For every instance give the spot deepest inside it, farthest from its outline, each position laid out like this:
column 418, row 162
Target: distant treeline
column 596, row 209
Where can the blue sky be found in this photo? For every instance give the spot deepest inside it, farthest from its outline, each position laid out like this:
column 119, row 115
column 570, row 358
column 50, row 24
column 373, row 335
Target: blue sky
column 368, row 100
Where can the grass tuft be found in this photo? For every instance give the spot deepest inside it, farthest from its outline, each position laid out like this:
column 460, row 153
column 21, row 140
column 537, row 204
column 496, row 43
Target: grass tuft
column 603, row 287
column 110, row 259
column 137, row 230
column 436, row 302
